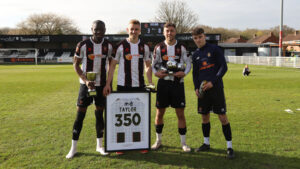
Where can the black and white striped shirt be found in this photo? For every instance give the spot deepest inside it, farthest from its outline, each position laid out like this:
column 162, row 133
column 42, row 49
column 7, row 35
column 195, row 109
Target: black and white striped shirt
column 94, row 58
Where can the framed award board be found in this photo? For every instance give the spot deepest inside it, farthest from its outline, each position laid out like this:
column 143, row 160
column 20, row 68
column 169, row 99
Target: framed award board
column 127, row 121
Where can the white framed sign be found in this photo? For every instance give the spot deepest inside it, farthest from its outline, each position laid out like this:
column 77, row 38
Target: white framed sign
column 127, row 121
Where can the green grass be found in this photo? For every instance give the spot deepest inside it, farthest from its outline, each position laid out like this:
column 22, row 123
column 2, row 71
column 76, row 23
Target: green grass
column 37, row 111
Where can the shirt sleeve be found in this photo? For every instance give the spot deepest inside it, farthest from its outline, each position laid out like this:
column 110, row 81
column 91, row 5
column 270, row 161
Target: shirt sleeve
column 155, row 58
column 186, row 60
column 195, row 73
column 119, row 53
column 79, row 52
column 221, row 62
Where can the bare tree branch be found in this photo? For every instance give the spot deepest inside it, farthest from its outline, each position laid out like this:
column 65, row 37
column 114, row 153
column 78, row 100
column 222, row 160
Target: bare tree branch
column 178, row 13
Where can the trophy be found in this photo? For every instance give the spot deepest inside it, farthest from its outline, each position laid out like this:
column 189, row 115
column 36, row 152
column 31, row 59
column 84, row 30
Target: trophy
column 172, row 67
column 201, row 92
column 91, row 76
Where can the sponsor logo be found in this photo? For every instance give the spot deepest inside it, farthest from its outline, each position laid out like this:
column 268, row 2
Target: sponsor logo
column 207, row 66
column 165, row 57
column 128, row 57
column 204, row 63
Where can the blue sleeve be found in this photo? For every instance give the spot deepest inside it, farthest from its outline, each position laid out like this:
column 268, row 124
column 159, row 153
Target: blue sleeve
column 195, row 73
column 221, row 62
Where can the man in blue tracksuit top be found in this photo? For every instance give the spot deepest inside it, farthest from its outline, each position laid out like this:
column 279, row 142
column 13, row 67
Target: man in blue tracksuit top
column 209, row 66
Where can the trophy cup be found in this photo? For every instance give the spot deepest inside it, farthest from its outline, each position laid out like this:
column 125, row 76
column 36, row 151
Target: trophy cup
column 91, row 76
column 171, row 66
column 201, row 92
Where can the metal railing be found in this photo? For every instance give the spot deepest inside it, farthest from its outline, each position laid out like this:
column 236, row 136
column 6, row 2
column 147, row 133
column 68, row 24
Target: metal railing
column 267, row 61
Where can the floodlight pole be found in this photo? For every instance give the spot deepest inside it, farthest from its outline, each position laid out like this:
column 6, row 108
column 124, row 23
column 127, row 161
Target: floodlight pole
column 281, row 27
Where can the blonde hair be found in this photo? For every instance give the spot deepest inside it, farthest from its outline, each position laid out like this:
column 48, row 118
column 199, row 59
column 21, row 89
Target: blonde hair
column 135, row 22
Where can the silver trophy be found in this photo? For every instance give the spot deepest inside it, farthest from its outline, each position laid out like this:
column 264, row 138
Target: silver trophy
column 91, row 76
column 171, row 67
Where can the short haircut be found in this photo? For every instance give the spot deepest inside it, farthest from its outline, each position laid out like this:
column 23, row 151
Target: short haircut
column 168, row 24
column 197, row 31
column 96, row 22
column 135, row 22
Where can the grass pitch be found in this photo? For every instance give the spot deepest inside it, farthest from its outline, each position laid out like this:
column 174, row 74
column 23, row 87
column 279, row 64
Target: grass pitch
column 38, row 108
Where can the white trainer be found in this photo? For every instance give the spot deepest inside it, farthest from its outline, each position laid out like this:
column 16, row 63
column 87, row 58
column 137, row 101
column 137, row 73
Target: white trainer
column 156, row 145
column 186, row 148
column 102, row 151
column 71, row 153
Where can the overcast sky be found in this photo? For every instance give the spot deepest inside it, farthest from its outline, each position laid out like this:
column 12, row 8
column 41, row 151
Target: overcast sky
column 239, row 14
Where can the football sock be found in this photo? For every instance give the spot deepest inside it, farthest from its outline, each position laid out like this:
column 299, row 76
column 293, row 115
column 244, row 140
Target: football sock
column 99, row 142
column 158, row 136
column 99, row 123
column 159, row 129
column 73, row 150
column 206, row 140
column 206, row 129
column 227, row 132
column 182, row 132
column 182, row 139
column 78, row 125
column 229, row 144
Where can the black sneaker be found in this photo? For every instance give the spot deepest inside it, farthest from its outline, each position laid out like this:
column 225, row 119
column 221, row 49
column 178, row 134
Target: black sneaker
column 204, row 147
column 230, row 154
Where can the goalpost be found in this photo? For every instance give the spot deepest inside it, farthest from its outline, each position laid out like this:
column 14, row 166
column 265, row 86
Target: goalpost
column 19, row 55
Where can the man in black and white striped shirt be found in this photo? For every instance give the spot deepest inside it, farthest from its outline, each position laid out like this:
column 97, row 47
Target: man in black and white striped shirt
column 170, row 87
column 132, row 55
column 94, row 54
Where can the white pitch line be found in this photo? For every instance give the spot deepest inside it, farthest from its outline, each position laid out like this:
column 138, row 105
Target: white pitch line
column 289, row 111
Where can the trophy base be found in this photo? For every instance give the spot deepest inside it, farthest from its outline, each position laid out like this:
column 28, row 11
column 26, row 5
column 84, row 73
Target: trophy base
column 92, row 93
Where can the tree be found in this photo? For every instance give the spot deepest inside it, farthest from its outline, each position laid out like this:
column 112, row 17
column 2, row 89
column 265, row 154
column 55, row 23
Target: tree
column 4, row 31
column 178, row 13
column 50, row 24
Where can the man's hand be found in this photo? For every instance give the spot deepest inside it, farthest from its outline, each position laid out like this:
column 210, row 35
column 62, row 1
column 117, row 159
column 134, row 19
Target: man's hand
column 207, row 86
column 90, row 84
column 179, row 74
column 161, row 74
column 197, row 92
column 106, row 90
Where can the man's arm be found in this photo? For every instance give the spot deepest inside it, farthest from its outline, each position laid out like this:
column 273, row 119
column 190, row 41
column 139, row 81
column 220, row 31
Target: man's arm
column 111, row 70
column 155, row 60
column 76, row 65
column 187, row 61
column 148, row 71
column 222, row 62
